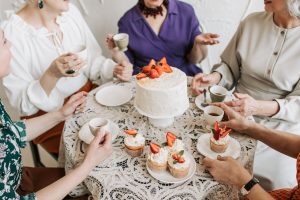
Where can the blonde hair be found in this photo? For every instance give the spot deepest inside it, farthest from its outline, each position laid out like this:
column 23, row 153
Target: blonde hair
column 294, row 8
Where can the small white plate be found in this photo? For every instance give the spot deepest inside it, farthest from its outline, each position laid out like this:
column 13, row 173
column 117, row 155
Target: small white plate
column 166, row 177
column 86, row 136
column 200, row 99
column 113, row 95
column 203, row 147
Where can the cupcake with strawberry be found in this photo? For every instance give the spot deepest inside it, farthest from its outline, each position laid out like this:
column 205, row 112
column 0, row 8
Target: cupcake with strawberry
column 219, row 138
column 134, row 142
column 179, row 164
column 174, row 144
column 157, row 158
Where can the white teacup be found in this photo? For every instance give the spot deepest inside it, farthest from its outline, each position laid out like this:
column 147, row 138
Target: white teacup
column 98, row 124
column 80, row 51
column 121, row 40
column 213, row 114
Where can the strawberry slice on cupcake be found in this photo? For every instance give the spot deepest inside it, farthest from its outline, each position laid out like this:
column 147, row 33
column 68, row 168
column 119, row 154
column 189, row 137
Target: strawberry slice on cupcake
column 134, row 142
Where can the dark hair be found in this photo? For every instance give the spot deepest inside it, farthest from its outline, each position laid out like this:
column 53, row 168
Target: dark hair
column 152, row 11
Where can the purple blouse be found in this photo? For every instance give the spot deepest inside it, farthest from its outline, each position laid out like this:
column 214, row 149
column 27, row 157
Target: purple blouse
column 174, row 41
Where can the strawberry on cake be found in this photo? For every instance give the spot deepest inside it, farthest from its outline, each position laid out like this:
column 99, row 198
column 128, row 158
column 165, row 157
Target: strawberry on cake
column 134, row 143
column 157, row 158
column 179, row 164
column 219, row 138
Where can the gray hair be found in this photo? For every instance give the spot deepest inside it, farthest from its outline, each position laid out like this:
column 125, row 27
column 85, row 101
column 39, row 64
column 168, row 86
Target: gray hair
column 294, row 8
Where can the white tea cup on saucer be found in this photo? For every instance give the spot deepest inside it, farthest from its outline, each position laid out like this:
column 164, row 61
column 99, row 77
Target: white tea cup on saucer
column 121, row 40
column 98, row 124
column 213, row 114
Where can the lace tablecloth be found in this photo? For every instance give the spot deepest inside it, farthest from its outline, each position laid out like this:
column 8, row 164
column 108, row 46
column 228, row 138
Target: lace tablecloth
column 126, row 177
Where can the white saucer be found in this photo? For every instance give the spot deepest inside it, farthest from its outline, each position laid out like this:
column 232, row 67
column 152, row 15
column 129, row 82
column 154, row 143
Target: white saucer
column 166, row 177
column 113, row 95
column 86, row 136
column 200, row 99
column 203, row 147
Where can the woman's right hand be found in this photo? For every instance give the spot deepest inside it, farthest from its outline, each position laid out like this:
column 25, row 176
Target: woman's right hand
column 201, row 81
column 60, row 65
column 110, row 42
column 99, row 149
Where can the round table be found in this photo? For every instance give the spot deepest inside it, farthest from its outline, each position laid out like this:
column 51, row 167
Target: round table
column 124, row 177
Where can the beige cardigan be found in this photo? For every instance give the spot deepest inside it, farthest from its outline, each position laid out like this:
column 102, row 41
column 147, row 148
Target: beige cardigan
column 263, row 60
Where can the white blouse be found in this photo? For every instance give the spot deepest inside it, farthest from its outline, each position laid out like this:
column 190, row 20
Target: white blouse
column 263, row 60
column 32, row 54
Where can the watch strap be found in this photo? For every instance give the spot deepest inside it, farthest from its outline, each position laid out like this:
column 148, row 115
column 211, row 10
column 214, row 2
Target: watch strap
column 250, row 184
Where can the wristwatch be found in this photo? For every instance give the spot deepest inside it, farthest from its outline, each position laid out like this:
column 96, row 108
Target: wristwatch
column 247, row 187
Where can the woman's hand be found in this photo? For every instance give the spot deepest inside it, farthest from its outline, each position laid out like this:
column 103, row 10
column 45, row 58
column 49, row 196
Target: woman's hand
column 123, row 71
column 99, row 149
column 201, row 81
column 245, row 105
column 227, row 170
column 110, row 44
column 75, row 104
column 207, row 39
column 60, row 66
column 235, row 120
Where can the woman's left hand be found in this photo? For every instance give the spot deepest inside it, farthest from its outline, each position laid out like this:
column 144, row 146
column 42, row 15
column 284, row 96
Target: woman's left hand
column 75, row 104
column 207, row 39
column 123, row 71
column 245, row 104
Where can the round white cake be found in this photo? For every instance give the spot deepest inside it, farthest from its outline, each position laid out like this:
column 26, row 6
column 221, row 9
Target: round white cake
column 162, row 97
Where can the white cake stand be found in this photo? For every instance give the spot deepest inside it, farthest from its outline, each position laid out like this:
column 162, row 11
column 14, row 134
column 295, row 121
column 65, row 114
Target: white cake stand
column 160, row 121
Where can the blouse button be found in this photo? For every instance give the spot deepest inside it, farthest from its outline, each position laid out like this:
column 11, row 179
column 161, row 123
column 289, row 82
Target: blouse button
column 282, row 32
column 275, row 53
column 269, row 71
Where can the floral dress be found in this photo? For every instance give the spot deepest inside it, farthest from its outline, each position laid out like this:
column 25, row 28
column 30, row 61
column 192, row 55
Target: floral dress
column 12, row 138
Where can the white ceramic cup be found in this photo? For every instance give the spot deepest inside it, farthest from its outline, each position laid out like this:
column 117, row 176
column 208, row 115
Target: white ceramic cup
column 121, row 40
column 217, row 93
column 80, row 51
column 98, row 124
column 213, row 114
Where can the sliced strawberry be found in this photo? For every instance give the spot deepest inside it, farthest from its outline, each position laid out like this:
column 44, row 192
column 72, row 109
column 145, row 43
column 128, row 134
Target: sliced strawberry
column 181, row 160
column 216, row 134
column 175, row 156
column 141, row 75
column 159, row 69
column 163, row 61
column 146, row 69
column 167, row 68
column 170, row 141
column 154, row 74
column 225, row 133
column 151, row 63
column 154, row 148
column 131, row 132
column 216, row 126
column 171, row 135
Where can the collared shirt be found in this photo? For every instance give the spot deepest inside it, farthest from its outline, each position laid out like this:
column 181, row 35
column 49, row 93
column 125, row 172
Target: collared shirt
column 174, row 41
column 33, row 52
column 12, row 139
column 263, row 60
